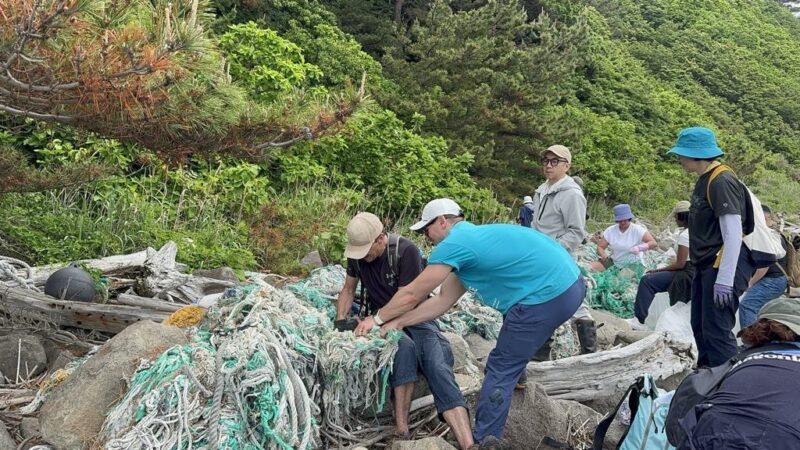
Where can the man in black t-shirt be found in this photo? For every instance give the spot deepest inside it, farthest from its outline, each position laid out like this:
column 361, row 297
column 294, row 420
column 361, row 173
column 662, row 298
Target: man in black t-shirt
column 383, row 263
column 723, row 266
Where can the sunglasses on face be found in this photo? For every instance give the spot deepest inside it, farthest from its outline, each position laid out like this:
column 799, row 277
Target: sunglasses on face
column 552, row 162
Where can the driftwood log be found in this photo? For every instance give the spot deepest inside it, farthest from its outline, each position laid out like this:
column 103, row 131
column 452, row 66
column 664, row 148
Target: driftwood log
column 27, row 304
column 608, row 374
column 117, row 264
column 163, row 280
column 144, row 302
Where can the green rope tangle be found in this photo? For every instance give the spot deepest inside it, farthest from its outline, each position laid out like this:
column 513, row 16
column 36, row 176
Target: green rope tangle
column 264, row 370
column 614, row 290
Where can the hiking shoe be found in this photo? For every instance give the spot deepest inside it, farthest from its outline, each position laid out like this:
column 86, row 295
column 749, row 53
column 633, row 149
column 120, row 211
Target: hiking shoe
column 523, row 380
column 635, row 324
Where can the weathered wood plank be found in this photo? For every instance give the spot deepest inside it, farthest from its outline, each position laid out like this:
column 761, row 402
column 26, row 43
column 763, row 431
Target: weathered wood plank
column 144, row 302
column 108, row 265
column 608, row 373
column 92, row 316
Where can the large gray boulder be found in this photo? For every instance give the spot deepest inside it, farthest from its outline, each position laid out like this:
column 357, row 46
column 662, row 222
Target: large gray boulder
column 480, row 348
column 464, row 361
column 25, row 349
column 6, row 441
column 429, row 443
column 223, row 273
column 537, row 421
column 611, row 327
column 74, row 412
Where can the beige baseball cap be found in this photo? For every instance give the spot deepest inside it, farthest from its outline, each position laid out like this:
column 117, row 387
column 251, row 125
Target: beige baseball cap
column 560, row 151
column 362, row 230
column 436, row 208
column 681, row 207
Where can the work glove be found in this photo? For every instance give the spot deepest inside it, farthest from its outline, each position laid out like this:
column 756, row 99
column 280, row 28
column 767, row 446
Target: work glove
column 636, row 249
column 723, row 295
column 345, row 324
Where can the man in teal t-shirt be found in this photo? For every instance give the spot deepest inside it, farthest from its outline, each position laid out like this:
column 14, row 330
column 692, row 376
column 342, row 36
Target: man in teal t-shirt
column 522, row 273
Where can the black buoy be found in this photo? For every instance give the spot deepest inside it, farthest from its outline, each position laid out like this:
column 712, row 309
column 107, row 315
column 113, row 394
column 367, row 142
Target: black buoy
column 71, row 283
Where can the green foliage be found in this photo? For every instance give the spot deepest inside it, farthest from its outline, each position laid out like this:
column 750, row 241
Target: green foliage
column 480, row 77
column 377, row 154
column 265, row 62
column 304, row 218
column 311, row 26
column 72, row 224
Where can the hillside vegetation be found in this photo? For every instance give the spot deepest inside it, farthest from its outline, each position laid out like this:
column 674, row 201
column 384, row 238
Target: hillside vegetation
column 462, row 96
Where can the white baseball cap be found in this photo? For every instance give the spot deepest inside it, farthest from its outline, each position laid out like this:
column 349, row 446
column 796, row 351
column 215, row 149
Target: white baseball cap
column 527, row 199
column 362, row 231
column 434, row 209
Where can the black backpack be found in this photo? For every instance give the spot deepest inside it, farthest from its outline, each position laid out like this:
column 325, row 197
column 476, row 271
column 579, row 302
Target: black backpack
column 701, row 384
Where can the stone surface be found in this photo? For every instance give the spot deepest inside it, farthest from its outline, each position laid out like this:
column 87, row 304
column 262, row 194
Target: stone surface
column 429, row 443
column 33, row 357
column 220, row 273
column 29, row 427
column 74, row 412
column 629, row 337
column 312, row 259
column 611, row 326
column 536, row 421
column 6, row 441
column 464, row 361
column 480, row 348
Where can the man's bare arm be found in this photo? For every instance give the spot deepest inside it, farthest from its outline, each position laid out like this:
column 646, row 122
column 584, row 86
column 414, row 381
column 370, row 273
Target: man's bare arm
column 409, row 296
column 345, row 300
column 452, row 290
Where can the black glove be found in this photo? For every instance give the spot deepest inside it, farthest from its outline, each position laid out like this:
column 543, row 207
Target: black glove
column 345, row 324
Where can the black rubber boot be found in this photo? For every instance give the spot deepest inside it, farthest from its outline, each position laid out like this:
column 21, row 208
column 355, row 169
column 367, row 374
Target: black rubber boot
column 587, row 335
column 543, row 354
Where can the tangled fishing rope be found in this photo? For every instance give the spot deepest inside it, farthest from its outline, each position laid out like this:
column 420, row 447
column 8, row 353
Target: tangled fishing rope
column 615, row 289
column 467, row 316
column 9, row 276
column 265, row 370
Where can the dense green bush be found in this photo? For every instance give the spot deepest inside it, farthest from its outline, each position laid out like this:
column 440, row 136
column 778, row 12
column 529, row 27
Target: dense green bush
column 265, row 62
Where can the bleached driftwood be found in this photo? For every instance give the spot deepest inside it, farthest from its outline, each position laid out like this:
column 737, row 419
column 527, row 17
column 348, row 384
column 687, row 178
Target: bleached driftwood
column 110, row 265
column 608, row 373
column 18, row 302
column 144, row 302
column 162, row 280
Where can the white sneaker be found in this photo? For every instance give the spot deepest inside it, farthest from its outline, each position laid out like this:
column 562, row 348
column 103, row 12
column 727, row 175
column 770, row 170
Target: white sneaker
column 635, row 324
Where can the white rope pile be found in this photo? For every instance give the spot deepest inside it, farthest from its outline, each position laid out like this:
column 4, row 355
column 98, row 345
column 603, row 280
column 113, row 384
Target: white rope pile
column 469, row 315
column 9, row 276
column 262, row 372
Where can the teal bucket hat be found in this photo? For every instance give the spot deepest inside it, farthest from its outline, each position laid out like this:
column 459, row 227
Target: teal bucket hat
column 696, row 142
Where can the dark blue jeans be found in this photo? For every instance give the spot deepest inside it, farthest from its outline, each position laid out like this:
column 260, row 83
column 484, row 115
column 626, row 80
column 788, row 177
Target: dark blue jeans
column 650, row 285
column 712, row 325
column 424, row 348
column 525, row 328
column 767, row 288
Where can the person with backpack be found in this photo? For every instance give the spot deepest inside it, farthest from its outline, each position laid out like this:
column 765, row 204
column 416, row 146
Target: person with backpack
column 767, row 283
column 384, row 263
column 755, row 404
column 525, row 275
column 719, row 216
column 675, row 278
column 526, row 211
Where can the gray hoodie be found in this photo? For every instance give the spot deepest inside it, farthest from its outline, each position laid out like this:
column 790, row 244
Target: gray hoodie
column 561, row 213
